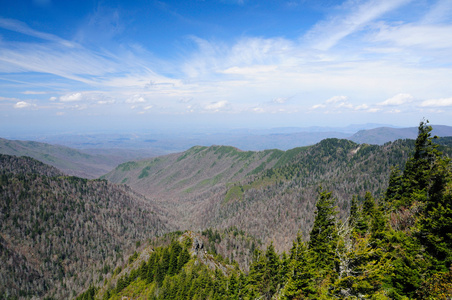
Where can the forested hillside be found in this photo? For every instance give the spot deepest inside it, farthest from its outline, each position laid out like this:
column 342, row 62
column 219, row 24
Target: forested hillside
column 57, row 231
column 70, row 161
column 269, row 194
column 397, row 246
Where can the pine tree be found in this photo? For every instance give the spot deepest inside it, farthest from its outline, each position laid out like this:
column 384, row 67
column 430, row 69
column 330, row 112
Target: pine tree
column 174, row 255
column 284, row 268
column 418, row 177
column 353, row 212
column 152, row 266
column 270, row 277
column 323, row 238
column 183, row 258
column 435, row 225
column 393, row 192
column 301, row 278
column 256, row 273
column 233, row 286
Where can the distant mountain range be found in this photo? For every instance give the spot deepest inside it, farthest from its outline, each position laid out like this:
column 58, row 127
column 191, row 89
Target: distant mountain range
column 91, row 156
column 381, row 135
column 153, row 144
column 83, row 163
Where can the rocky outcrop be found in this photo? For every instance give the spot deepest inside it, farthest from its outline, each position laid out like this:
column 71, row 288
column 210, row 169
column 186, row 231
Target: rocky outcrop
column 198, row 250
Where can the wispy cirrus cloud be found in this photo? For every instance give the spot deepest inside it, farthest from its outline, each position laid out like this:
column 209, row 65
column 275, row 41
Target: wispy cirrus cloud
column 435, row 36
column 328, row 33
column 70, row 60
column 18, row 26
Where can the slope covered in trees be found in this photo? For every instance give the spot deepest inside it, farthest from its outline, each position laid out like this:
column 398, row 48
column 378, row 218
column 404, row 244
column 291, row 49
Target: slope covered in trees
column 395, row 247
column 70, row 161
column 55, row 229
column 270, row 194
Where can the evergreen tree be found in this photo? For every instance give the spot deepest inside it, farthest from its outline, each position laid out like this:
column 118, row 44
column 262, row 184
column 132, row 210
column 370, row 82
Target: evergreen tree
column 409, row 263
column 420, row 170
column 143, row 270
column 270, row 276
column 284, row 268
column 152, row 267
column 174, row 255
column 301, row 278
column 256, row 273
column 183, row 258
column 233, row 286
column 323, row 238
column 435, row 227
column 353, row 212
column 363, row 269
column 393, row 192
column 165, row 262
column 159, row 273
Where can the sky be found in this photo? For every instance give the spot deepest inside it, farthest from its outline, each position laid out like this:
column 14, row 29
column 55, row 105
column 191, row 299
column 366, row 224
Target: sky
column 81, row 66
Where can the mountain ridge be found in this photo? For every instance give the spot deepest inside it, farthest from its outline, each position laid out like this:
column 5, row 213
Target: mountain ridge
column 219, row 186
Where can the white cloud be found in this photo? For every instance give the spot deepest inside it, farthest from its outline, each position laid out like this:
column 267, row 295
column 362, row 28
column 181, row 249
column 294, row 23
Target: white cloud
column 148, row 107
column 22, row 104
column 249, row 56
column 33, row 93
column 398, row 99
column 53, row 98
column 78, row 107
column 258, row 110
column 136, row 99
column 443, row 102
column 105, row 102
column 318, row 106
column 344, row 105
column 280, row 100
column 362, row 107
column 249, row 70
column 336, row 99
column 217, row 106
column 71, row 97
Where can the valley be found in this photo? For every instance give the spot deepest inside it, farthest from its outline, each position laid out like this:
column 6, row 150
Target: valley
column 77, row 232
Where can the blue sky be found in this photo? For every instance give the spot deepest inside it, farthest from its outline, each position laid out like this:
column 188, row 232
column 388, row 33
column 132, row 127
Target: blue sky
column 141, row 65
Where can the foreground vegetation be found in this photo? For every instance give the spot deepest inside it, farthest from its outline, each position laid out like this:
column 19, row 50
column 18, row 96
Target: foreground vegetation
column 396, row 247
